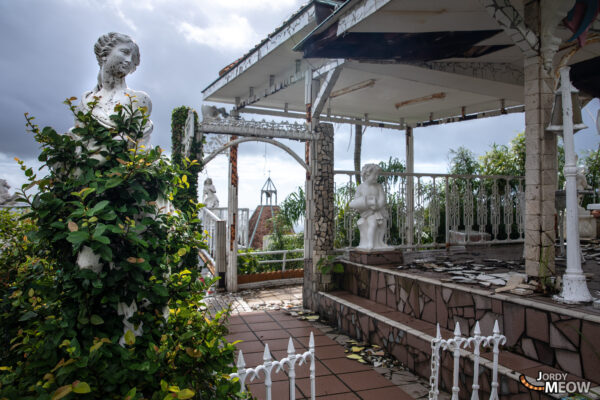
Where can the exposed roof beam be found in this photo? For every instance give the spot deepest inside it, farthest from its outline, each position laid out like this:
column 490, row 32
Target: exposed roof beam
column 423, row 99
column 359, row 13
column 353, row 88
column 498, row 72
column 327, row 67
column 513, row 23
column 335, row 119
column 326, row 87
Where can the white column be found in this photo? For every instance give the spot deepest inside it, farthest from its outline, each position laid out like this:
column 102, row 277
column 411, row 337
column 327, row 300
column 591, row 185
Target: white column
column 410, row 186
column 574, row 286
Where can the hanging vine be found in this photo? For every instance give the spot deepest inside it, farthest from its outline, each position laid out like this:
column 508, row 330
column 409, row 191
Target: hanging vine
column 178, row 120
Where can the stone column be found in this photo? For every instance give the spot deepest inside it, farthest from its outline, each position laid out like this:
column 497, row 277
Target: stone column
column 232, row 211
column 541, row 167
column 321, row 210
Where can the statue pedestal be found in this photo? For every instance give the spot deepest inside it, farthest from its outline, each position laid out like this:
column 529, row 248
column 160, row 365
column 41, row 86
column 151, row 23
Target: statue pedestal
column 587, row 227
column 378, row 258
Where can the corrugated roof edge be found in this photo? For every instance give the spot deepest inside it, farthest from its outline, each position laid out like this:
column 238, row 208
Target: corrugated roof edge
column 295, row 15
column 325, row 24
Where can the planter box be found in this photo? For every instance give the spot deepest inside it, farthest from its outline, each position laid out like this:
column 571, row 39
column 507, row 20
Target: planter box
column 269, row 276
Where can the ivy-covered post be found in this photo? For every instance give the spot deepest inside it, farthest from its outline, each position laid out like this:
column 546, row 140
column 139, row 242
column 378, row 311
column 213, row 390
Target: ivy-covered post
column 232, row 211
column 186, row 142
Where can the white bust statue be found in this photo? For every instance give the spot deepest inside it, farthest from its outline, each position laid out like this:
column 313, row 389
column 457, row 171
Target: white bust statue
column 118, row 56
column 5, row 197
column 369, row 201
column 209, row 197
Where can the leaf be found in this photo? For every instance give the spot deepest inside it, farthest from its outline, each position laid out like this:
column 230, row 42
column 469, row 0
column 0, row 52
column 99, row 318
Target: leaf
column 31, row 292
column 100, row 229
column 72, row 226
column 102, row 239
column 140, row 260
column 27, row 316
column 356, row 349
column 354, row 357
column 77, row 237
column 186, row 393
column 131, row 260
column 112, row 182
column 100, row 206
column 81, row 387
column 95, row 347
column 96, row 320
column 182, row 251
column 160, row 290
column 174, row 389
column 62, row 392
column 122, row 162
column 129, row 338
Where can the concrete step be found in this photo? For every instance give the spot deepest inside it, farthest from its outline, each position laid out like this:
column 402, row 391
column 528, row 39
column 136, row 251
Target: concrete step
column 409, row 340
column 561, row 337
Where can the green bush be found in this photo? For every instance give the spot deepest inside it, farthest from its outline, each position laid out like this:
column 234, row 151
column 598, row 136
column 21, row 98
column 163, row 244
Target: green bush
column 59, row 323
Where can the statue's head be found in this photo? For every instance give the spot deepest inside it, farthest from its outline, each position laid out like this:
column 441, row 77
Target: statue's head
column 208, row 181
column 124, row 45
column 370, row 172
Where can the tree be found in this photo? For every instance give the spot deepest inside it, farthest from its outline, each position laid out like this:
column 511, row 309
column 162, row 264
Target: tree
column 462, row 162
column 505, row 160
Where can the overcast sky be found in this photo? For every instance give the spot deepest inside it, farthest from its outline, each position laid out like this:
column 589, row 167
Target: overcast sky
column 47, row 56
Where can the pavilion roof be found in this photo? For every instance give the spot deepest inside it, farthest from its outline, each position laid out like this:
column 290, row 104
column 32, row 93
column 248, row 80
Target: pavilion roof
column 402, row 60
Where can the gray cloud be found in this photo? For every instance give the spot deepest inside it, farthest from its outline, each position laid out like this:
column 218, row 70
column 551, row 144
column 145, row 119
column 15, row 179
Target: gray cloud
column 47, row 56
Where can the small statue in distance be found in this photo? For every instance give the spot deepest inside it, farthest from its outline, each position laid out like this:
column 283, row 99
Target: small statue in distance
column 209, row 197
column 369, row 201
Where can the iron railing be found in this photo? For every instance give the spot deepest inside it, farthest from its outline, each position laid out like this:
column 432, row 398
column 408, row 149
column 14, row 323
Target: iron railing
column 437, row 210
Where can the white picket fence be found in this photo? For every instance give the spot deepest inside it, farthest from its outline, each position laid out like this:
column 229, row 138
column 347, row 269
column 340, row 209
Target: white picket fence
column 269, row 365
column 454, row 345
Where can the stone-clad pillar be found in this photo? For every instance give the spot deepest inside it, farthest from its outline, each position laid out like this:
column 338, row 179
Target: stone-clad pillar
column 541, row 167
column 321, row 209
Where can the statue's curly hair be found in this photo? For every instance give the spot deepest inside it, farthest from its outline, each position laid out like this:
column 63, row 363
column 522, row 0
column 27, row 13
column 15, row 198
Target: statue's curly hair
column 107, row 42
column 370, row 168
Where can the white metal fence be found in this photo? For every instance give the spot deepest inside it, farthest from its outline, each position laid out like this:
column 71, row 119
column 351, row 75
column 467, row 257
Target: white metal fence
column 435, row 210
column 278, row 366
column 454, row 345
column 284, row 257
column 241, row 223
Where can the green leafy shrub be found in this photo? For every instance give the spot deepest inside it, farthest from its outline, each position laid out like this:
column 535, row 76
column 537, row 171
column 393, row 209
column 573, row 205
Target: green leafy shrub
column 15, row 246
column 62, row 335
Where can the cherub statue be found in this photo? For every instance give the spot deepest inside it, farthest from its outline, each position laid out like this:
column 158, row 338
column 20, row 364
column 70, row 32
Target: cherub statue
column 369, row 201
column 5, row 197
column 209, row 197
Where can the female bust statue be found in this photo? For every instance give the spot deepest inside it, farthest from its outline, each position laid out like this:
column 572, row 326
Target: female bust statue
column 118, row 56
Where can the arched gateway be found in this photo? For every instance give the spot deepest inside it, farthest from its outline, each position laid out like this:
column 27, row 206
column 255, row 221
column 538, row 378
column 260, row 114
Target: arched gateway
column 318, row 141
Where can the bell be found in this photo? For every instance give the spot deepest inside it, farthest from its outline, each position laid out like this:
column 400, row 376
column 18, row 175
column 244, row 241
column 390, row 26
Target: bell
column 556, row 118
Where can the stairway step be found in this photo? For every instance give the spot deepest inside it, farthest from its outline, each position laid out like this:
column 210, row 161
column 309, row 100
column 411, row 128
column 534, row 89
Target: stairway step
column 409, row 340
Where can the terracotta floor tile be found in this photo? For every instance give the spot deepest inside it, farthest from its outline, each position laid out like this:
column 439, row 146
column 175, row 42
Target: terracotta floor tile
column 251, row 347
column 238, row 328
column 320, row 340
column 246, row 336
column 344, row 365
column 282, row 344
column 342, row 396
column 333, row 351
column 364, row 380
column 251, row 359
column 534, row 372
column 280, row 390
column 235, row 320
column 258, row 317
column 263, row 326
column 391, row 393
column 325, row 386
column 294, row 324
column 304, row 331
column 274, row 334
column 303, row 371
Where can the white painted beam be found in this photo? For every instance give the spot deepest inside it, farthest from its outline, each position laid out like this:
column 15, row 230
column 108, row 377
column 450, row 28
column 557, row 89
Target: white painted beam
column 325, row 90
column 358, row 14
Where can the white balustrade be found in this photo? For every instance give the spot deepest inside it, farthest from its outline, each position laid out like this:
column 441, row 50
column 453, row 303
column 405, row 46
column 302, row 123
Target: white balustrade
column 454, row 345
column 474, row 208
column 270, row 366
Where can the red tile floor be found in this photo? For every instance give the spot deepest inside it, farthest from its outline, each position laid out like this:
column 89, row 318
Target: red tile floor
column 337, row 377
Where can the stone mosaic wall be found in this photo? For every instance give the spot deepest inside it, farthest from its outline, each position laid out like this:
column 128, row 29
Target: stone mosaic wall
column 414, row 352
column 553, row 337
column 322, row 212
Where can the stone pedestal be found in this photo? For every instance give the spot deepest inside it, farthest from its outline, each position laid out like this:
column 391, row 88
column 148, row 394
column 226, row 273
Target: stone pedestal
column 587, row 227
column 376, row 258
